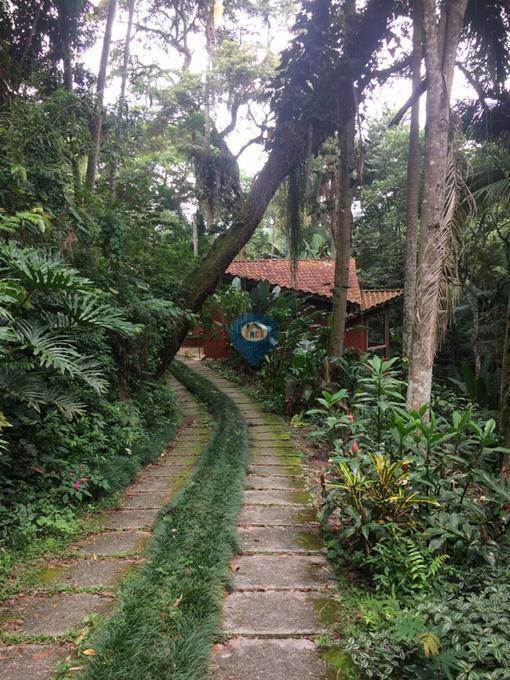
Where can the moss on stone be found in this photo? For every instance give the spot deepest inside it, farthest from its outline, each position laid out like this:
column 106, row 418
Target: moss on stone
column 309, row 541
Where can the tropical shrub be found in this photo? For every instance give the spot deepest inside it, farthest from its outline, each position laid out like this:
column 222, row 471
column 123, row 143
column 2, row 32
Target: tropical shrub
column 414, row 501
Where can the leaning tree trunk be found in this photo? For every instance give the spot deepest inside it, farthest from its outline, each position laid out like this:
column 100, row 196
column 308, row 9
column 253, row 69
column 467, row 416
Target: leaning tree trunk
column 292, row 142
column 97, row 119
column 440, row 52
column 413, row 190
column 343, row 235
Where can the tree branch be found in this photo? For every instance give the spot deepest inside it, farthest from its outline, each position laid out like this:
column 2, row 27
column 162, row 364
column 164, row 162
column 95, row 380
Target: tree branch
column 233, row 120
column 474, row 84
column 422, row 87
column 254, row 140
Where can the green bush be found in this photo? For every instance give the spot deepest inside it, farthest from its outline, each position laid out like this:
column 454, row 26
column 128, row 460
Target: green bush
column 464, row 635
column 413, row 501
column 64, row 466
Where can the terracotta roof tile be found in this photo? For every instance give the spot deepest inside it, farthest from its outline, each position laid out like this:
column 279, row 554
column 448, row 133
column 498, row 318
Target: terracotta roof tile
column 313, row 276
column 375, row 298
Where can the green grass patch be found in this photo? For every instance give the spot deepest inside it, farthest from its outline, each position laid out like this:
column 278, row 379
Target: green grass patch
column 169, row 612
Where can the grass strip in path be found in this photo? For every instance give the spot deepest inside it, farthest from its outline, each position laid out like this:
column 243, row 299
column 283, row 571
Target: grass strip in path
column 169, row 612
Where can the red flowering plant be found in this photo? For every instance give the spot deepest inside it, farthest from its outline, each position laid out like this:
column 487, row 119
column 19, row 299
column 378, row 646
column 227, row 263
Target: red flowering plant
column 79, row 482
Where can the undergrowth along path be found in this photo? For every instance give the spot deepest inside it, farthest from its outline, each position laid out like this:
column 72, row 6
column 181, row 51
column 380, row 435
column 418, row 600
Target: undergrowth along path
column 43, row 627
column 280, row 598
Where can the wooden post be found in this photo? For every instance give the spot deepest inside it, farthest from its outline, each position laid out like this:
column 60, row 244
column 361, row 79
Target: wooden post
column 386, row 332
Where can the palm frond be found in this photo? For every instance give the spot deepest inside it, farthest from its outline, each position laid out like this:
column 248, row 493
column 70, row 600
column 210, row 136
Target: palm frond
column 28, row 388
column 54, row 349
column 82, row 310
column 494, row 193
column 34, row 391
column 11, row 294
column 442, row 281
column 39, row 271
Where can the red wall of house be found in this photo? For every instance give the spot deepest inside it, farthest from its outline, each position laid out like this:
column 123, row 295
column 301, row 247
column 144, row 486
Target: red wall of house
column 216, row 344
column 357, row 338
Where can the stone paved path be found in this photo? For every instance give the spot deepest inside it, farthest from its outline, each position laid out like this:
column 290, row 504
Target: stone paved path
column 73, row 588
column 282, row 578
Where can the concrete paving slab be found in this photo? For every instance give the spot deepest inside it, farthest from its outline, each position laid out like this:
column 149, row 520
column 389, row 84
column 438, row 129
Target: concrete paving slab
column 174, row 470
column 31, row 662
column 130, row 519
column 146, row 501
column 115, row 543
column 258, row 659
column 91, row 573
column 271, row 449
column 270, row 572
column 274, row 497
column 259, row 429
column 276, row 469
column 270, row 436
column 255, row 459
column 52, row 615
column 273, row 482
column 157, row 485
column 270, row 539
column 272, row 614
column 273, row 515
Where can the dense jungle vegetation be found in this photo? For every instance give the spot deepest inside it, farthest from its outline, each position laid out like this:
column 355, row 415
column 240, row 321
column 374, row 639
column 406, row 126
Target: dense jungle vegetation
column 144, row 144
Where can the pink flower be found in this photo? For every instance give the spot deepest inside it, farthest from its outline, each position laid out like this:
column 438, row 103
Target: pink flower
column 76, row 485
column 351, row 417
column 84, row 479
column 355, row 447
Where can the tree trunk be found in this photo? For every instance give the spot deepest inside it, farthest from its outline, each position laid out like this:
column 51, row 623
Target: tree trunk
column 67, row 60
column 97, row 120
column 292, row 142
column 441, row 44
column 343, row 198
column 122, row 96
column 343, row 235
column 64, row 18
column 504, row 408
column 288, row 152
column 210, row 39
column 413, row 190
column 30, row 37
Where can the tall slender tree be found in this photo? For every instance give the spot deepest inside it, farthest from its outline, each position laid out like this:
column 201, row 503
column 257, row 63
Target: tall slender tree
column 342, row 235
column 413, row 187
column 97, row 118
column 343, row 198
column 119, row 123
column 442, row 23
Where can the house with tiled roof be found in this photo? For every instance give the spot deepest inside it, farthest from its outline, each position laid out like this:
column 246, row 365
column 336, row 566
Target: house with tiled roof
column 314, row 279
